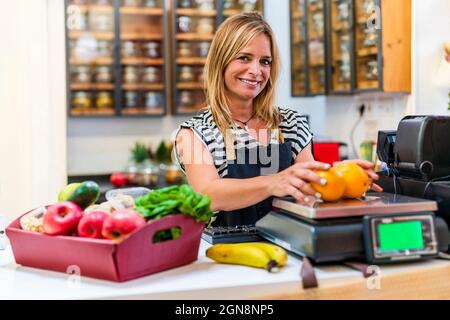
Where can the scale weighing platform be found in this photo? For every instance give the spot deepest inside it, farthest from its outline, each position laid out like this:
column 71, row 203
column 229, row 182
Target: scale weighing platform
column 380, row 228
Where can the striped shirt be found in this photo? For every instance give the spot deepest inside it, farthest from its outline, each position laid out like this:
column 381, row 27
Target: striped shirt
column 294, row 127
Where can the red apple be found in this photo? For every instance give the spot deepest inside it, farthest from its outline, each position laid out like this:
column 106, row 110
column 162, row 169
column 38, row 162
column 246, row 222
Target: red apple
column 121, row 223
column 118, row 179
column 62, row 218
column 90, row 226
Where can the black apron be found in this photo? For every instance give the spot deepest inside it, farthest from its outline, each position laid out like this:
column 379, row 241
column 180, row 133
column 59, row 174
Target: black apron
column 270, row 159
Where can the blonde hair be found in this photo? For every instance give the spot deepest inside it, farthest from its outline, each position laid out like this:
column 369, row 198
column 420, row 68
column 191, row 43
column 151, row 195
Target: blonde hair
column 231, row 37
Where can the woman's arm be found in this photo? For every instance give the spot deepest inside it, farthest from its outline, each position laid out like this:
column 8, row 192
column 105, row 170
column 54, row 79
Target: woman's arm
column 232, row 194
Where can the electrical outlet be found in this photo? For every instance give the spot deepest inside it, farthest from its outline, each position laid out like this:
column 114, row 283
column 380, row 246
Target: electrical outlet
column 3, row 240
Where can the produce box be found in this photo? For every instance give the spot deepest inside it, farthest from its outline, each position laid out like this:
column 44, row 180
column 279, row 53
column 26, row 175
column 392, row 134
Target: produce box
column 134, row 257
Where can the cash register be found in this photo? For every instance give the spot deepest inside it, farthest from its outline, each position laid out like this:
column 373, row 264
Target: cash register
column 408, row 221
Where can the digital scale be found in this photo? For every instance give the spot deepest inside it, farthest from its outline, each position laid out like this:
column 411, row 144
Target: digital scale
column 380, row 228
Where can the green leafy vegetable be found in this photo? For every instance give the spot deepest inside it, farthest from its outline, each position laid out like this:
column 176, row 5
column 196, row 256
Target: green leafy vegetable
column 175, row 199
column 169, row 234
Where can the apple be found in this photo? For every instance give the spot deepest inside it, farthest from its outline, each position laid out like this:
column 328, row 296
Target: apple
column 62, row 218
column 91, row 224
column 121, row 223
column 118, row 179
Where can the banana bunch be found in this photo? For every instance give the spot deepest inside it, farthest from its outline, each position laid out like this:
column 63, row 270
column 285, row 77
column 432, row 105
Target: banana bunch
column 255, row 254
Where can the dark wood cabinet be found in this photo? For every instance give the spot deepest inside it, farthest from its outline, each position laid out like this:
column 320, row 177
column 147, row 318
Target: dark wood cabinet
column 308, row 47
column 194, row 25
column 367, row 46
column 116, row 57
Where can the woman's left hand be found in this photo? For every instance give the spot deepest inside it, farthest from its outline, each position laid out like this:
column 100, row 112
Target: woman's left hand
column 368, row 167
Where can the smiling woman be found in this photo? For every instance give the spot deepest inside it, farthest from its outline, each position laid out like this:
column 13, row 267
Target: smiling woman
column 249, row 149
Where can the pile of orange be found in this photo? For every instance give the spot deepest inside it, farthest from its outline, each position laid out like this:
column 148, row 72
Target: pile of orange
column 347, row 180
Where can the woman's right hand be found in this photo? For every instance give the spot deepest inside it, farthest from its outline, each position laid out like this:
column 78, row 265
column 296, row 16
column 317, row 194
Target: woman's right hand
column 295, row 181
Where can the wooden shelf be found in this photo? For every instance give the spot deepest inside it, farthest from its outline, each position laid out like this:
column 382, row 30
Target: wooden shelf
column 191, row 60
column 94, row 8
column 142, row 11
column 143, row 86
column 91, row 86
column 196, row 12
column 231, row 12
column 368, row 84
column 142, row 111
column 367, row 51
column 96, row 34
column 298, row 15
column 342, row 87
column 141, row 36
column 194, row 36
column 75, row 112
column 100, row 60
column 142, row 61
column 190, row 86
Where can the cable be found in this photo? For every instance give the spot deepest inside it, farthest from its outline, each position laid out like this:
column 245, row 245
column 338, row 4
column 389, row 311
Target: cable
column 361, row 110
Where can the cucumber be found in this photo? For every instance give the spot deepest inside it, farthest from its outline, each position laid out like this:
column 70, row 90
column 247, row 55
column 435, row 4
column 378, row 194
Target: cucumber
column 83, row 194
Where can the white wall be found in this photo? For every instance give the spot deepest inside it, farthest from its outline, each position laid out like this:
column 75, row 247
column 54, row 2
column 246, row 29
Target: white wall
column 102, row 145
column 432, row 29
column 32, row 113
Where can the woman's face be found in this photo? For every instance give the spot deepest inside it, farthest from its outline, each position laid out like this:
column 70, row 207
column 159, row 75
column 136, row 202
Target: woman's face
column 247, row 74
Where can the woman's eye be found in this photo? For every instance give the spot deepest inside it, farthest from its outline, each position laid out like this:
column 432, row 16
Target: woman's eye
column 266, row 62
column 243, row 58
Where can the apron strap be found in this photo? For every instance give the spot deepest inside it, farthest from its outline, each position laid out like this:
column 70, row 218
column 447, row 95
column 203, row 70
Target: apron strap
column 359, row 266
column 308, row 274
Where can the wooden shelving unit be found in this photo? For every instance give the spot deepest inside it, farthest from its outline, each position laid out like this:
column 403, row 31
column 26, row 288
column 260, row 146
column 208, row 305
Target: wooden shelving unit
column 367, row 46
column 192, row 28
column 144, row 28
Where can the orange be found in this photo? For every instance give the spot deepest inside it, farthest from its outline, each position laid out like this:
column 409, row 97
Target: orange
column 335, row 187
column 356, row 180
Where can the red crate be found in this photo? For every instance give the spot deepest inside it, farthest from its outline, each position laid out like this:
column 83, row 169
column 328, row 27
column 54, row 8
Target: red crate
column 134, row 257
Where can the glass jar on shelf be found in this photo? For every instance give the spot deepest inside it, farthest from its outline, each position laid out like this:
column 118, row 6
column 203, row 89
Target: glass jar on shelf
column 129, row 49
column 131, row 3
column 369, row 6
column 372, row 70
column 153, row 100
column 103, row 2
column 186, row 99
column 148, row 175
column 345, row 71
column 81, row 74
column 229, row 4
column 203, row 48
column 151, row 4
column 104, row 101
column 173, row 174
column 185, row 4
column 151, row 75
column 185, row 24
column 102, row 22
column 130, row 75
column 343, row 10
column 205, row 5
column 151, row 49
column 186, row 74
column 185, row 49
column 205, row 25
column 248, row 5
column 81, row 101
column 104, row 48
column 370, row 37
column 104, row 74
column 131, row 99
column 200, row 76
